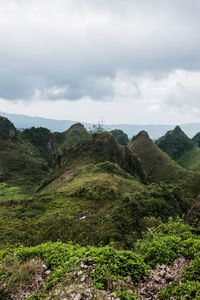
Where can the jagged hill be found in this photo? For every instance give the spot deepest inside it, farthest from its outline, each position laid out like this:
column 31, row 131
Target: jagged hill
column 71, row 137
column 94, row 195
column 157, row 164
column 42, row 139
column 100, row 147
column 175, row 143
column 21, row 161
column 180, row 148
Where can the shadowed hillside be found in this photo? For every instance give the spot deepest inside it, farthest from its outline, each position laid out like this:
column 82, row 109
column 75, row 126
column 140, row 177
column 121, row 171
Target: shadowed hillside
column 25, row 157
column 181, row 148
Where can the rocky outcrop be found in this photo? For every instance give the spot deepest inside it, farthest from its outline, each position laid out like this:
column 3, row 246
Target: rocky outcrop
column 193, row 215
column 78, row 285
column 160, row 277
column 38, row 273
column 41, row 138
column 51, row 146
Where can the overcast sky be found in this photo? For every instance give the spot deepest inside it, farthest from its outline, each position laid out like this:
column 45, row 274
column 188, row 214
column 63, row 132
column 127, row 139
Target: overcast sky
column 116, row 61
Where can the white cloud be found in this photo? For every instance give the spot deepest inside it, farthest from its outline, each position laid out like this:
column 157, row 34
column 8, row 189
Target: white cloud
column 133, row 99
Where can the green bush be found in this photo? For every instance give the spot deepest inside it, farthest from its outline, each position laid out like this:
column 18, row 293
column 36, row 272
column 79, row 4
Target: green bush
column 124, row 295
column 189, row 290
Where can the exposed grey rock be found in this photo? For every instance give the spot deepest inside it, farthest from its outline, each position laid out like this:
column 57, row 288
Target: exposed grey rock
column 161, row 276
column 51, row 146
column 193, row 215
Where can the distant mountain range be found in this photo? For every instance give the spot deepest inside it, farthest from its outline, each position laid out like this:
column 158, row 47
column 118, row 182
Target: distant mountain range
column 155, row 131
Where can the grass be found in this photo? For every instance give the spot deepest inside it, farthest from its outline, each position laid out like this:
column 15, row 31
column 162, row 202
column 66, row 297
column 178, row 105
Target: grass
column 157, row 164
column 10, row 193
column 21, row 164
column 191, row 159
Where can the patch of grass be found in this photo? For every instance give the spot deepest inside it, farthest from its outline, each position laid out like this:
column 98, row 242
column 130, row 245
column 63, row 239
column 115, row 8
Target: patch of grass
column 157, row 164
column 14, row 273
column 10, row 193
column 191, row 159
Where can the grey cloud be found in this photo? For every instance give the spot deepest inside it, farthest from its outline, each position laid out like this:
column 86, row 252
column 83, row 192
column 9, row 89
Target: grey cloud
column 78, row 47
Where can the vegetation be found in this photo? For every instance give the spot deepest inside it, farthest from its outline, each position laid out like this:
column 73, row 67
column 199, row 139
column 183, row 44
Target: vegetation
column 160, row 245
column 71, row 137
column 41, row 138
column 182, row 149
column 175, row 143
column 120, row 136
column 158, row 165
column 196, row 139
column 93, row 200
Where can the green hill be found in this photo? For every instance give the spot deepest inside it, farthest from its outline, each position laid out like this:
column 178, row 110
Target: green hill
column 157, row 164
column 175, row 143
column 71, row 137
column 181, row 148
column 80, row 211
column 100, row 147
column 94, row 195
column 23, row 162
column 120, row 136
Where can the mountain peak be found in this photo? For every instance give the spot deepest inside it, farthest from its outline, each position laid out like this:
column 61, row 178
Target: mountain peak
column 76, row 126
column 142, row 133
column 178, row 131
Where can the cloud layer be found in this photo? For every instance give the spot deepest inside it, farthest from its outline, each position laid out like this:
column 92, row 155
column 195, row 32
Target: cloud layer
column 145, row 53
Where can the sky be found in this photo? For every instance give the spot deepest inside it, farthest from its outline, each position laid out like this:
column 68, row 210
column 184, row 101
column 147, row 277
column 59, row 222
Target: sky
column 108, row 61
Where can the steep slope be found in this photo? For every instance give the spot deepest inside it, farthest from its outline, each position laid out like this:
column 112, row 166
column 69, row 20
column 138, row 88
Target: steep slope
column 181, row 148
column 22, row 163
column 157, row 164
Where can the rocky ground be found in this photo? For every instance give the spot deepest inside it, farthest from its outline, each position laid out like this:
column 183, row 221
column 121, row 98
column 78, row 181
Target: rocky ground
column 160, row 277
column 78, row 284
column 37, row 281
